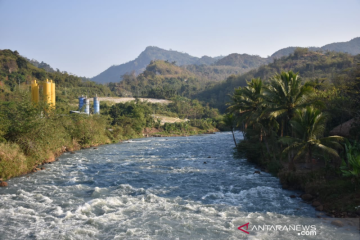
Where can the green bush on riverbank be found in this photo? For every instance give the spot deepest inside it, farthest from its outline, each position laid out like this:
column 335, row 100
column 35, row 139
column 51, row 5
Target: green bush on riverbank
column 34, row 134
column 12, row 160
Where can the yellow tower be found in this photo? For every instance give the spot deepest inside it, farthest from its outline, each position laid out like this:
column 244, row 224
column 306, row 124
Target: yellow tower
column 34, row 92
column 47, row 92
column 53, row 98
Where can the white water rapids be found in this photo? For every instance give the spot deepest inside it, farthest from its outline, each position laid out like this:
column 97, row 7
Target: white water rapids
column 156, row 188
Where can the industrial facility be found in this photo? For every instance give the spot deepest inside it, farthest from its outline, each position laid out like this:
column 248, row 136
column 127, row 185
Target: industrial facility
column 49, row 97
column 84, row 105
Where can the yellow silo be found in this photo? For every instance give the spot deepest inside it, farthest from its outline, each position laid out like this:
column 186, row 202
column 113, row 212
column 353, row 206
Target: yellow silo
column 47, row 92
column 53, row 98
column 34, row 92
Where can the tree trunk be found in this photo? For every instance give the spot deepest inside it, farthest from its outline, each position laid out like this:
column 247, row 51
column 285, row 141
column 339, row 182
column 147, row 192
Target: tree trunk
column 292, row 166
column 310, row 156
column 233, row 137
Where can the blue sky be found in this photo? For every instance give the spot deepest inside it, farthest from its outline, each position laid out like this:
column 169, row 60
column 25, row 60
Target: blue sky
column 85, row 37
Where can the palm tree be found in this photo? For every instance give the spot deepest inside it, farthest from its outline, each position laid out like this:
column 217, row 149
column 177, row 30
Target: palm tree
column 247, row 101
column 248, row 105
column 308, row 126
column 284, row 94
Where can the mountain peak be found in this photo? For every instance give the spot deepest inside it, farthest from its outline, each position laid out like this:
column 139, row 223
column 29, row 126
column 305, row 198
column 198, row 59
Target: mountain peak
column 114, row 73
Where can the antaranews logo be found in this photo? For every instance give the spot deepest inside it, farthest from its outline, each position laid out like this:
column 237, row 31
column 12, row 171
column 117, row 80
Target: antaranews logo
column 245, row 225
column 303, row 230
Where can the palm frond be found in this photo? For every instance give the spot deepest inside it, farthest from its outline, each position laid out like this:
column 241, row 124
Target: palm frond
column 326, row 149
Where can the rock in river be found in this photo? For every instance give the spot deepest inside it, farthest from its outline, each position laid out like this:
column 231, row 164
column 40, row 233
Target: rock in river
column 3, row 184
column 337, row 223
column 307, row 197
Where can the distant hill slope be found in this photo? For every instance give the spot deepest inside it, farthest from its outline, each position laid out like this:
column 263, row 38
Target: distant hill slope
column 309, row 64
column 114, row 73
column 232, row 64
column 241, row 60
column 287, row 51
column 352, row 47
column 214, row 73
column 161, row 79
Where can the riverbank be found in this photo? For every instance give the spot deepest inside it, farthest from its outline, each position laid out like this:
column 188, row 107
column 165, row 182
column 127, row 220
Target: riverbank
column 323, row 188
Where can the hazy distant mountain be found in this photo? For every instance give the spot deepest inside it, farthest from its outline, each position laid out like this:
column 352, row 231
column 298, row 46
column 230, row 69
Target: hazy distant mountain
column 352, row 47
column 289, row 50
column 114, row 73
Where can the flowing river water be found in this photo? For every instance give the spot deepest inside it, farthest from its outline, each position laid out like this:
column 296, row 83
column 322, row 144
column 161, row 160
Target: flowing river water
column 157, row 188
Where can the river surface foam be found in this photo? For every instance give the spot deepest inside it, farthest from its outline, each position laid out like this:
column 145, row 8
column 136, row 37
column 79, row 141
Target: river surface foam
column 154, row 188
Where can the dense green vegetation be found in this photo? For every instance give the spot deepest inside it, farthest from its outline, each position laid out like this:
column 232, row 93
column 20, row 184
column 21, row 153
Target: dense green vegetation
column 286, row 122
column 30, row 136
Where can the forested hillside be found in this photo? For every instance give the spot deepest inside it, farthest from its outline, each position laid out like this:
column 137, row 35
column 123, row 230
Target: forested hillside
column 309, row 64
column 232, row 64
column 214, row 73
column 244, row 61
column 161, row 79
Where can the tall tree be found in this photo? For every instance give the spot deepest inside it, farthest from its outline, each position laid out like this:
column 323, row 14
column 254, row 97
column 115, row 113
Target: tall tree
column 246, row 102
column 308, row 127
column 284, row 94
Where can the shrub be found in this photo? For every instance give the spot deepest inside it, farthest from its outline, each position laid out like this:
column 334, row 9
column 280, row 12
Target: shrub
column 12, row 160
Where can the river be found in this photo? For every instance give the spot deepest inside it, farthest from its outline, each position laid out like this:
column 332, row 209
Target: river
column 157, row 188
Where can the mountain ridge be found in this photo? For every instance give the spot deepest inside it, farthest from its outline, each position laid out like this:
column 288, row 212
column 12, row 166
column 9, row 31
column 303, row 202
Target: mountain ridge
column 352, row 47
column 243, row 62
